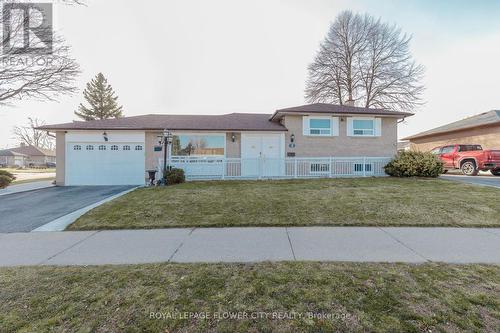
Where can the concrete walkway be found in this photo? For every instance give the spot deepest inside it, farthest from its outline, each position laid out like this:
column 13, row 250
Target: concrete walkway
column 26, row 187
column 359, row 244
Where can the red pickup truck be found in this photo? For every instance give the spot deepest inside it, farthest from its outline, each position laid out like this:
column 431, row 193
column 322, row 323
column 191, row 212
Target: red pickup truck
column 469, row 158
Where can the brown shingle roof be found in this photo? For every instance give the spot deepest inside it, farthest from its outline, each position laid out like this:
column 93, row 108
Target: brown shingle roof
column 33, row 151
column 8, row 152
column 482, row 119
column 226, row 122
column 333, row 108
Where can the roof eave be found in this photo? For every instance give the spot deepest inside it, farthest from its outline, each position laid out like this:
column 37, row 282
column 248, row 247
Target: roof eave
column 161, row 129
column 387, row 114
column 423, row 135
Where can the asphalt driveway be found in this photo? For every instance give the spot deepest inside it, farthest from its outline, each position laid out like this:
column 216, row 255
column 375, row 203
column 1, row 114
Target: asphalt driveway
column 478, row 180
column 25, row 211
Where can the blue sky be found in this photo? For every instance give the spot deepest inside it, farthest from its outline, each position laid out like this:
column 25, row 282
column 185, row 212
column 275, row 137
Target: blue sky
column 221, row 56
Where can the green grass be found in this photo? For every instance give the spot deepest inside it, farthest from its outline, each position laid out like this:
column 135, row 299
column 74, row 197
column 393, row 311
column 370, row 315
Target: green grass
column 328, row 202
column 357, row 297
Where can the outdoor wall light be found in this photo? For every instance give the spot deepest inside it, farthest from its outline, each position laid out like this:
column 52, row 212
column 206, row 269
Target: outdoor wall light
column 292, row 138
column 233, row 137
column 167, row 135
column 105, row 136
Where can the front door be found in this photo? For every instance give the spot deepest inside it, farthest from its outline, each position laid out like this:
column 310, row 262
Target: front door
column 261, row 155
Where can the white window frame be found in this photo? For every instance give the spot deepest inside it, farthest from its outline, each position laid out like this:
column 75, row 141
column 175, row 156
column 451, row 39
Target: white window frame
column 377, row 126
column 334, row 125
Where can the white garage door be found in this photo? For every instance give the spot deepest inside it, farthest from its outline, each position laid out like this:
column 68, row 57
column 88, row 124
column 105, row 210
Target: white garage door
column 105, row 163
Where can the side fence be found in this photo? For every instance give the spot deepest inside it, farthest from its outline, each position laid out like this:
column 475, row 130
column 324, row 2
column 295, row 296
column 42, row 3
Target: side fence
column 201, row 168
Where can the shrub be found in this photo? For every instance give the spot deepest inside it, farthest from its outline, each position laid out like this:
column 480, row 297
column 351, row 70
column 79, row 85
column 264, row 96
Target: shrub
column 174, row 176
column 5, row 181
column 7, row 174
column 414, row 164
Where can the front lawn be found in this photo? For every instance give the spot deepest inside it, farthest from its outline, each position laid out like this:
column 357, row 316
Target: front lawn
column 166, row 297
column 327, row 202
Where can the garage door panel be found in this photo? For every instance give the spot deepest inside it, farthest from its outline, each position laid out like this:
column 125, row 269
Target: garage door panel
column 103, row 165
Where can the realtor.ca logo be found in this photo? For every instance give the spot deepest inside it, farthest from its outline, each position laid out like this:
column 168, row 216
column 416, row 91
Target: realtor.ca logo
column 27, row 28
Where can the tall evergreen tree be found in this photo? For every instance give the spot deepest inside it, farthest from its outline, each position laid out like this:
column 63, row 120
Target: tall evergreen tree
column 102, row 100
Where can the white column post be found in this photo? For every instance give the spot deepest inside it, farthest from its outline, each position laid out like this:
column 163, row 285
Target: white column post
column 295, row 165
column 330, row 167
column 260, row 166
column 223, row 167
column 364, row 166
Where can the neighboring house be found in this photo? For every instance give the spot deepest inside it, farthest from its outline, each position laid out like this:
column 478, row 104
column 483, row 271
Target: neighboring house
column 309, row 140
column 482, row 129
column 403, row 145
column 12, row 159
column 26, row 156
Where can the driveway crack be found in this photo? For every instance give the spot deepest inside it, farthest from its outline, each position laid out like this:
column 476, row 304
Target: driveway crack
column 290, row 242
column 68, row 248
column 408, row 247
column 180, row 245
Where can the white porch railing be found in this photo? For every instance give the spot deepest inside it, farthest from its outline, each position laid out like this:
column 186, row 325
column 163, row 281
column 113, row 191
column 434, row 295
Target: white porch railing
column 263, row 168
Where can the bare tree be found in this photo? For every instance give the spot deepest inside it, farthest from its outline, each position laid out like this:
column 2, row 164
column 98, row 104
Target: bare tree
column 28, row 74
column 31, row 136
column 367, row 61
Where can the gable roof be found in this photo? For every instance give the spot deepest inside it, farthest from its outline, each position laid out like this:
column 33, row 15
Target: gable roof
column 482, row 119
column 225, row 122
column 32, row 151
column 8, row 152
column 338, row 109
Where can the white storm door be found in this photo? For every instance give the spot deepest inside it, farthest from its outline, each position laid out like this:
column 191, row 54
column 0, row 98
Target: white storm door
column 261, row 155
column 272, row 161
column 250, row 155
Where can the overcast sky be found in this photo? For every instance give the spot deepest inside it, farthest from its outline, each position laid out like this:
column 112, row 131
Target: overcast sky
column 215, row 57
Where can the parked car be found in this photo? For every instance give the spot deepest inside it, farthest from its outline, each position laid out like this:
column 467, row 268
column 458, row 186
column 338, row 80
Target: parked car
column 469, row 158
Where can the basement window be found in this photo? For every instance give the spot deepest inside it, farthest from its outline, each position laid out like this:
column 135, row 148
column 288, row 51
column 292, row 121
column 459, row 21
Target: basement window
column 320, row 167
column 358, row 167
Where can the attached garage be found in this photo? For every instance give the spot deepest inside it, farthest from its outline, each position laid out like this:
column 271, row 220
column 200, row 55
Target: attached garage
column 100, row 158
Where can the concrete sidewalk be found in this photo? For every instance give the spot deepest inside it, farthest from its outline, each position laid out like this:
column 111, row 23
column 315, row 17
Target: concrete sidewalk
column 359, row 244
